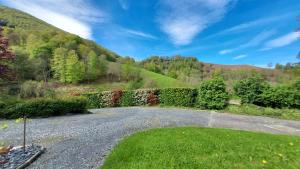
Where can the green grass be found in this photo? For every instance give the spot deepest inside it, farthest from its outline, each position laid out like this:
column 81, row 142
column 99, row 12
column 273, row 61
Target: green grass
column 160, row 80
column 204, row 148
column 248, row 109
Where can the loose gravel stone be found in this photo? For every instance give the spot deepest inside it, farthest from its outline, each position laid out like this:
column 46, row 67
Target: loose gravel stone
column 16, row 156
column 83, row 141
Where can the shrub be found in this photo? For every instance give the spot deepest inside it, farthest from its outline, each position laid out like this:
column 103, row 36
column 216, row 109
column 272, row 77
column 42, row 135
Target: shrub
column 152, row 99
column 250, row 90
column 212, row 94
column 94, row 100
column 140, row 97
column 46, row 108
column 116, row 95
column 281, row 97
column 2, row 105
column 30, row 89
column 178, row 96
column 126, row 99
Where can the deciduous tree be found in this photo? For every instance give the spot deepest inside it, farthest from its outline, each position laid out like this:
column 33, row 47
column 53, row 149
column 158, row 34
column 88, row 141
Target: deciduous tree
column 6, row 56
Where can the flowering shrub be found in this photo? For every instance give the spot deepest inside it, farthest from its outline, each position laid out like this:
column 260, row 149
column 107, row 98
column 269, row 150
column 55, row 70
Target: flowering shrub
column 152, row 99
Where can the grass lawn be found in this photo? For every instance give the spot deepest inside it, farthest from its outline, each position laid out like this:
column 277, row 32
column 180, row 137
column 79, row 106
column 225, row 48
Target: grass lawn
column 248, row 109
column 205, row 148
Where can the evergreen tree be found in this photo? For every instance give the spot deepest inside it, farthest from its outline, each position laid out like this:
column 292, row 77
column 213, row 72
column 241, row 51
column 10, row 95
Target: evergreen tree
column 59, row 65
column 74, row 68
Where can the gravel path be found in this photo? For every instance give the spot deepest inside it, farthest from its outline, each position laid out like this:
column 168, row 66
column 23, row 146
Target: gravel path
column 82, row 141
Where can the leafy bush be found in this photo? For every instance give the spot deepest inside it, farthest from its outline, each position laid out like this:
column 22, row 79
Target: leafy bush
column 178, row 96
column 152, row 99
column 126, row 99
column 2, row 104
column 140, row 97
column 30, row 89
column 94, row 100
column 250, row 90
column 46, row 108
column 212, row 94
column 281, row 97
column 116, row 95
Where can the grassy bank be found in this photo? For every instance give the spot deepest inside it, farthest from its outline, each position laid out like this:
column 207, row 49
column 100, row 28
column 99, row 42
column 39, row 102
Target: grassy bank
column 190, row 148
column 249, row 109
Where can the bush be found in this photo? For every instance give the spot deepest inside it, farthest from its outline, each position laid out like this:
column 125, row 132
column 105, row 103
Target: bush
column 2, row 105
column 94, row 100
column 141, row 97
column 281, row 97
column 152, row 99
column 250, row 90
column 46, row 108
column 116, row 95
column 126, row 99
column 178, row 96
column 31, row 89
column 212, row 94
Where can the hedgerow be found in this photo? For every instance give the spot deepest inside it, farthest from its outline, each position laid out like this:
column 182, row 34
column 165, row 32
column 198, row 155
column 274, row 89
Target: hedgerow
column 178, row 97
column 45, row 108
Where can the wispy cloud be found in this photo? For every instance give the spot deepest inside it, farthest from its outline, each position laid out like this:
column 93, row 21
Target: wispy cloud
column 74, row 16
column 226, row 51
column 252, row 24
column 259, row 38
column 139, row 33
column 255, row 41
column 183, row 20
column 124, row 4
column 282, row 41
column 240, row 56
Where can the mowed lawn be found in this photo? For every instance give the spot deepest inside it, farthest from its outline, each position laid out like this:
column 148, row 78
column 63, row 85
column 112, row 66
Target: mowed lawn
column 205, row 148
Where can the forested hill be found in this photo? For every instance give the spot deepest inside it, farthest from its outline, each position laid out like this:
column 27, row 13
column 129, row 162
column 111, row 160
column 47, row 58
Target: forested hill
column 38, row 44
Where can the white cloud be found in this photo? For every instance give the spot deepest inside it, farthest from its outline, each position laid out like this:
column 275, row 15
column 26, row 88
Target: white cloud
column 282, row 41
column 74, row 16
column 124, row 4
column 226, row 51
column 252, row 24
column 140, row 34
column 259, row 38
column 240, row 57
column 255, row 41
column 183, row 20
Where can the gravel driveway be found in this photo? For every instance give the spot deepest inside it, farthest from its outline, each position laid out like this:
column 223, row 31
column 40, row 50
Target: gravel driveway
column 82, row 141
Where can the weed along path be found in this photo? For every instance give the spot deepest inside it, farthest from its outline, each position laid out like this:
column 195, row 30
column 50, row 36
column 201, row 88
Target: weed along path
column 82, row 141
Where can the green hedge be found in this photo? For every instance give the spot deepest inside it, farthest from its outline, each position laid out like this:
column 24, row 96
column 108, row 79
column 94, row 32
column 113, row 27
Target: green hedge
column 281, row 97
column 212, row 94
column 46, row 108
column 126, row 99
column 178, row 97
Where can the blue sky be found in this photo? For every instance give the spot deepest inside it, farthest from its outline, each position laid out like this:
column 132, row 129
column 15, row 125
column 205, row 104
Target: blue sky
column 255, row 32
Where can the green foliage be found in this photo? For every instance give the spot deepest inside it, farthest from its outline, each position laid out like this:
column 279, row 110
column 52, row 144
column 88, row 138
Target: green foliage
column 59, row 64
column 46, row 108
column 126, row 99
column 250, row 89
column 212, row 94
column 178, row 97
column 31, row 89
column 281, row 97
column 74, row 68
column 250, row 109
column 94, row 100
column 141, row 96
